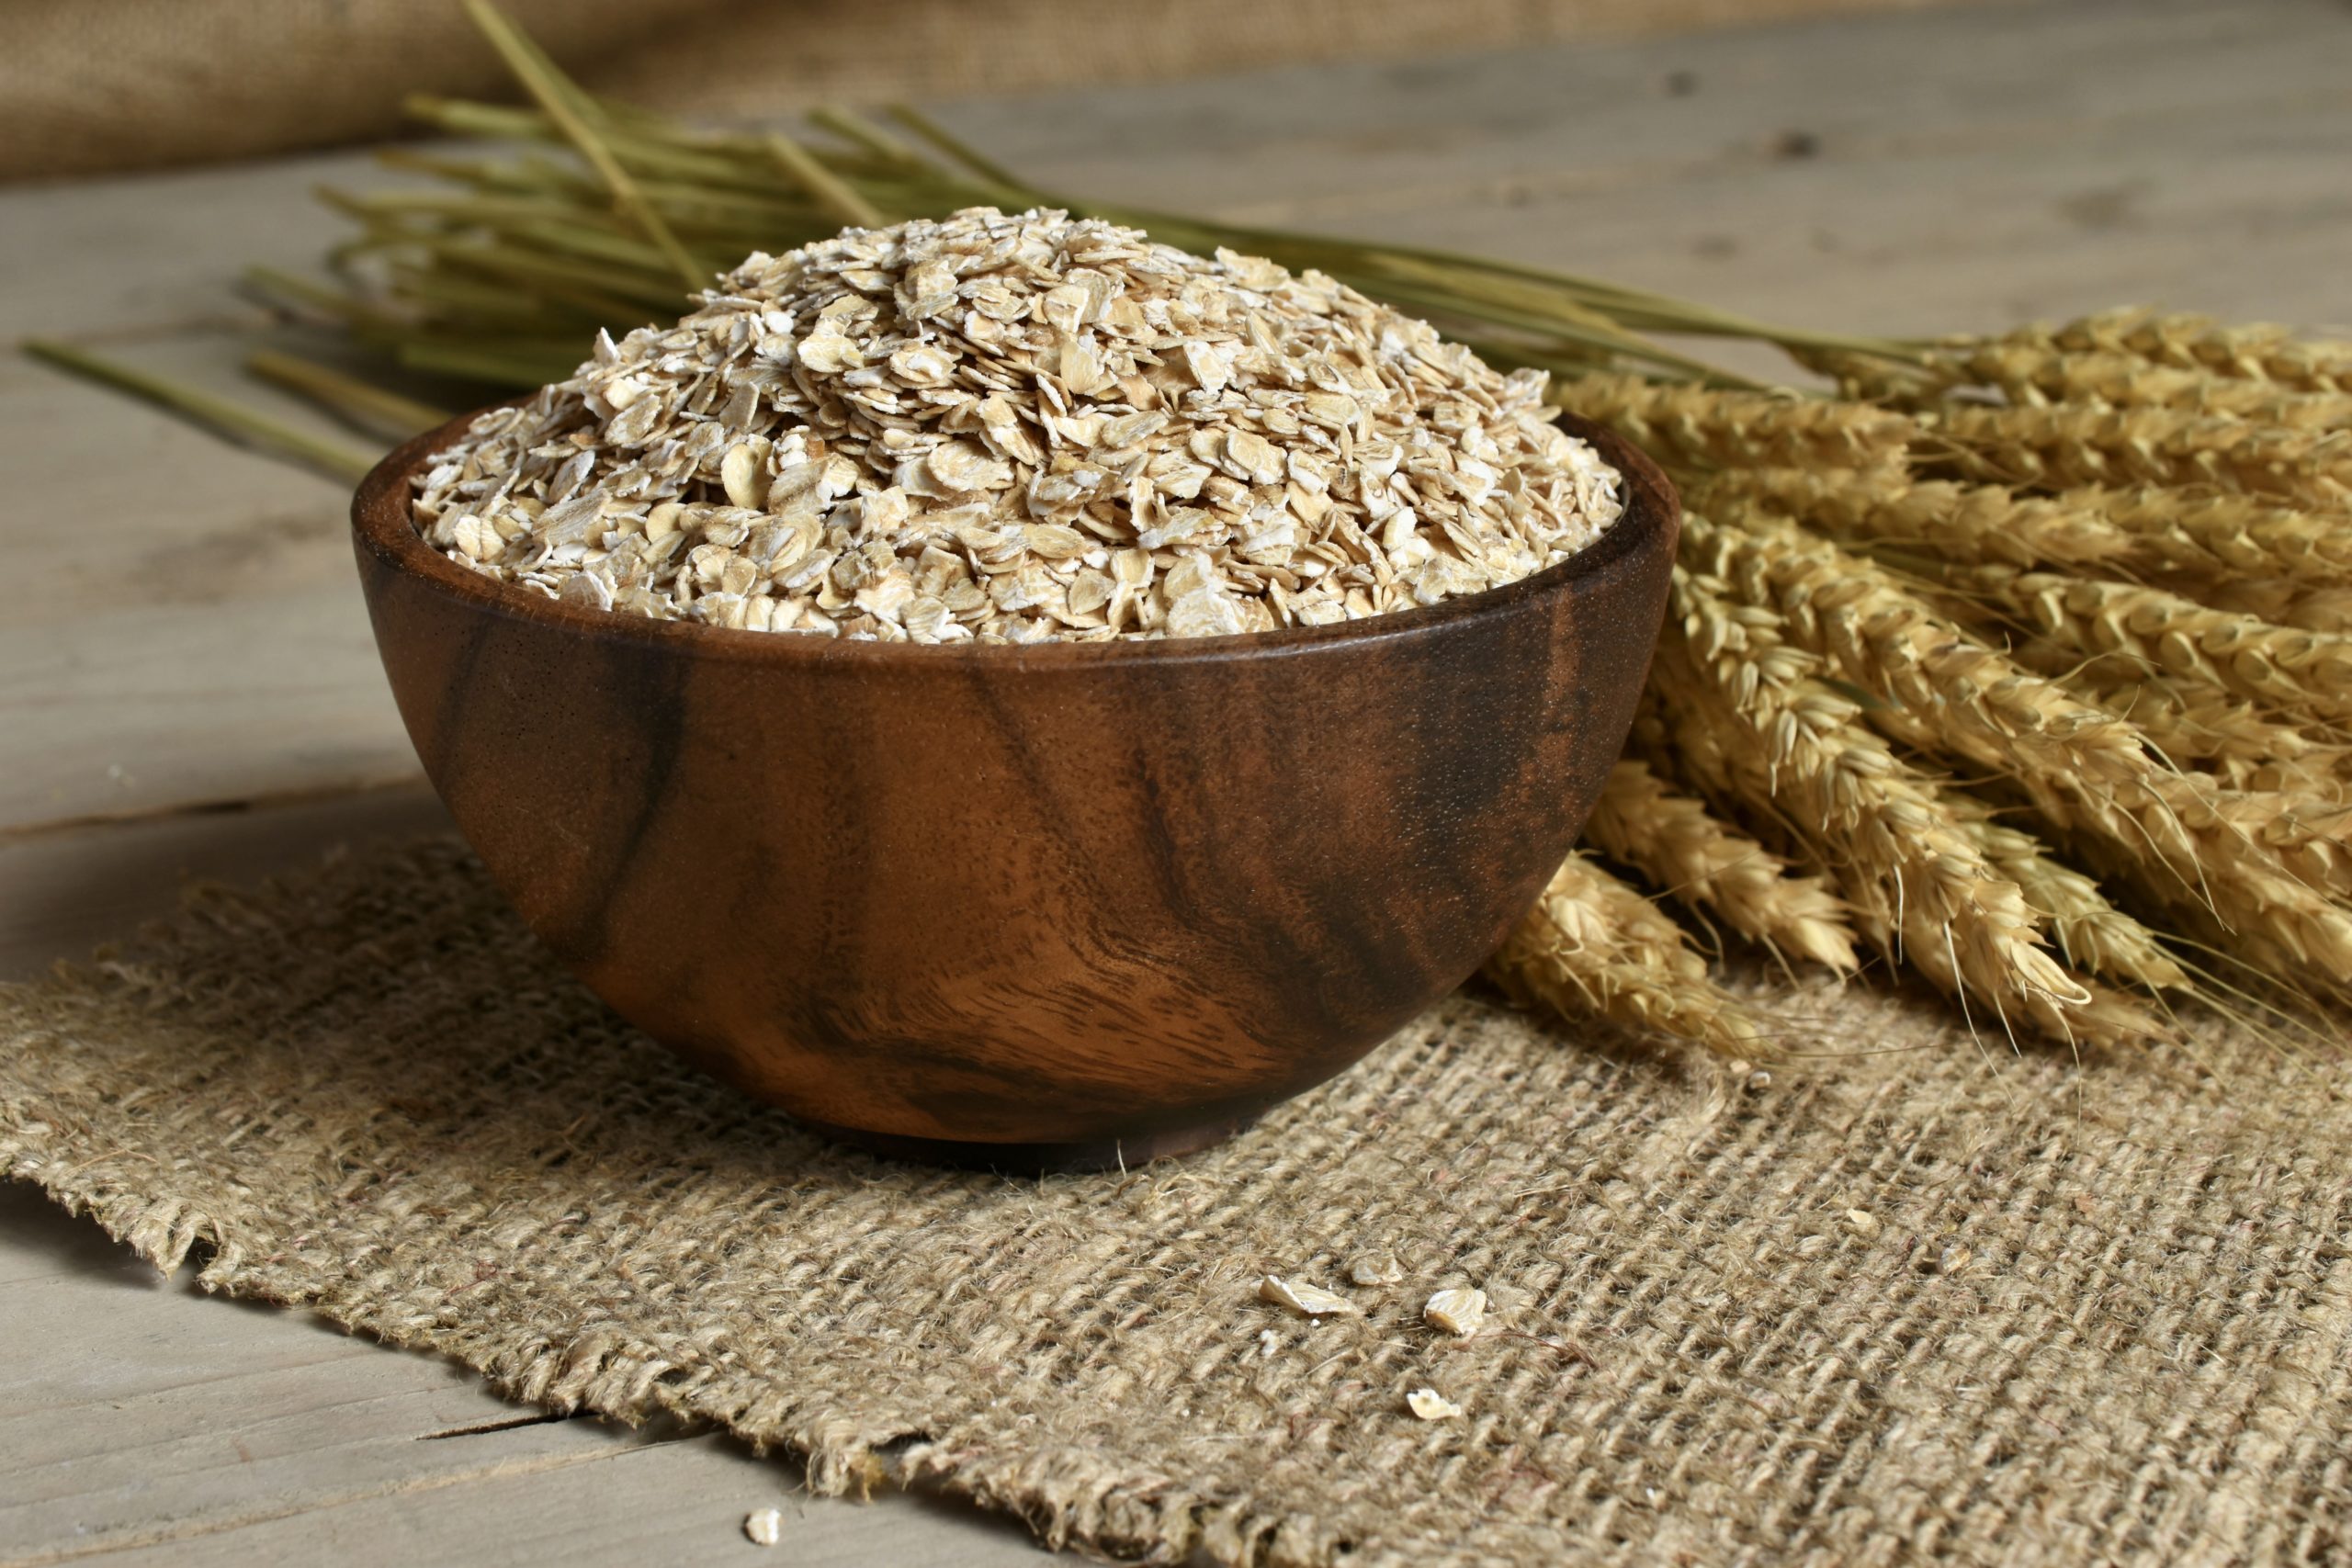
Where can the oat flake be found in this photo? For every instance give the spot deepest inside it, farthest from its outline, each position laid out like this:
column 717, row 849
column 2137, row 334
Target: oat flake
column 1011, row 428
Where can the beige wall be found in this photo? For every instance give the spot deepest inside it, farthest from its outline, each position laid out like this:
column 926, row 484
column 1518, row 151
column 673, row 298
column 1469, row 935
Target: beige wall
column 130, row 83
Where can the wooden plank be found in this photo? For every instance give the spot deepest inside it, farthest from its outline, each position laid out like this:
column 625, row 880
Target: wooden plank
column 140, row 1422
column 123, row 255
column 197, row 631
column 140, row 1418
column 1971, row 240
column 672, row 1502
column 62, row 893
column 1967, row 168
column 1369, row 140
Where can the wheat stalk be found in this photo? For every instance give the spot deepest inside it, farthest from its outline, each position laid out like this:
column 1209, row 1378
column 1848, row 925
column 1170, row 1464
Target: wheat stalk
column 2282, row 600
column 2193, row 725
column 1755, row 724
column 2060, row 446
column 1676, row 842
column 2212, row 534
column 1968, row 524
column 1711, row 427
column 2253, row 352
column 2096, row 936
column 2083, row 769
column 2043, row 372
column 1592, row 944
column 2231, row 551
column 2299, row 675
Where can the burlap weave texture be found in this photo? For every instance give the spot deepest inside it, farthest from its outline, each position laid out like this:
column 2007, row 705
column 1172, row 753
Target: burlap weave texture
column 1906, row 1302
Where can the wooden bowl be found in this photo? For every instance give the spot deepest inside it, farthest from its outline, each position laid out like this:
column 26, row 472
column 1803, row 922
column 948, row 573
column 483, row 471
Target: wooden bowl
column 1049, row 906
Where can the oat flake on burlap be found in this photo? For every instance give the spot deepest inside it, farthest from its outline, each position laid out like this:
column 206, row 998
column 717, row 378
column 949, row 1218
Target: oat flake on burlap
column 1915, row 1302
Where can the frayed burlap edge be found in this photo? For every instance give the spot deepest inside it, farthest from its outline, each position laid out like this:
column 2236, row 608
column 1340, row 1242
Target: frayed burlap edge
column 80, row 1144
column 1070, row 1499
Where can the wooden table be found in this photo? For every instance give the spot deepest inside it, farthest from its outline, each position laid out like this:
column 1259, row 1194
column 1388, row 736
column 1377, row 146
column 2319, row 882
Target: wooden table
column 192, row 691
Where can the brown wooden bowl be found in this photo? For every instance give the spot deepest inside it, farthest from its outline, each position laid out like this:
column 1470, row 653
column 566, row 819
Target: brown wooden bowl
column 1047, row 906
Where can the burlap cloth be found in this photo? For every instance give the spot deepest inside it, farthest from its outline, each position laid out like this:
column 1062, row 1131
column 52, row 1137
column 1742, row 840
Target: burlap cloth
column 88, row 86
column 1908, row 1299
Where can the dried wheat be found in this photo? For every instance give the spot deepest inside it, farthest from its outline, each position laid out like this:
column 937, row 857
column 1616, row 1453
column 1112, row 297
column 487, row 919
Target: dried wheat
column 1702, row 426
column 1593, row 944
column 2081, row 767
column 2310, row 836
column 2095, row 935
column 2303, row 675
column 2255, row 353
column 1754, row 722
column 1908, row 385
column 1682, row 846
column 2193, row 725
column 1965, row 523
column 2281, row 601
column 2215, row 533
column 2068, row 446
column 2042, row 372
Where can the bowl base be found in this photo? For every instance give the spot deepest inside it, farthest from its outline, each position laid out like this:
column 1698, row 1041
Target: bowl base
column 1038, row 1160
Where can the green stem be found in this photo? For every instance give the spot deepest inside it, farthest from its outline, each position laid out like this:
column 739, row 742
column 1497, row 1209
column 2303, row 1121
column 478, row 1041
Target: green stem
column 866, row 134
column 218, row 416
column 373, row 409
column 555, row 94
column 823, row 187
column 486, row 361
column 930, row 131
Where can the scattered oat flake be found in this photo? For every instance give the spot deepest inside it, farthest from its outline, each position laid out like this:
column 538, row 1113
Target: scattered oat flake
column 1865, row 1223
column 1267, row 1341
column 1431, row 1405
column 1458, row 1312
column 1307, row 1301
column 765, row 1526
column 1954, row 1258
column 1376, row 1269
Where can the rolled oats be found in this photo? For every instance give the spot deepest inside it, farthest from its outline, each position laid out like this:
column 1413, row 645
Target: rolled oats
column 1431, row 1405
column 1006, row 429
column 1459, row 1313
column 1307, row 1301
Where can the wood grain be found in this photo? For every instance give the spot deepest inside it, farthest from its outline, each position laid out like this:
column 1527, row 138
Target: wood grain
column 1107, row 897
column 1968, row 170
column 141, row 1422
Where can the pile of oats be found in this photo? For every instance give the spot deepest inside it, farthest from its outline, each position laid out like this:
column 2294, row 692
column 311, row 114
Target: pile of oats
column 1017, row 428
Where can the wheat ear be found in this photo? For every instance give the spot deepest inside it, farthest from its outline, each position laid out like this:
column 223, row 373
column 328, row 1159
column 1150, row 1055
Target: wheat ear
column 1680, row 846
column 1970, row 524
column 1755, row 723
column 2056, row 447
column 1706, row 427
column 1949, row 697
column 2211, row 533
column 2042, row 372
column 2299, row 674
column 2193, row 725
column 2253, row 352
column 2082, row 768
column 2095, row 935
column 2281, row 601
column 1592, row 944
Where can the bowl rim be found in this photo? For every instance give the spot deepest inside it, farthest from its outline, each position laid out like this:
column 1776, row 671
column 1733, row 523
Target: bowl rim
column 381, row 528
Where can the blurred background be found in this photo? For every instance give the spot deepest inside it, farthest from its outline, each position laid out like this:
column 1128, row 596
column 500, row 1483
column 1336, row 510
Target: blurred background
column 91, row 88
